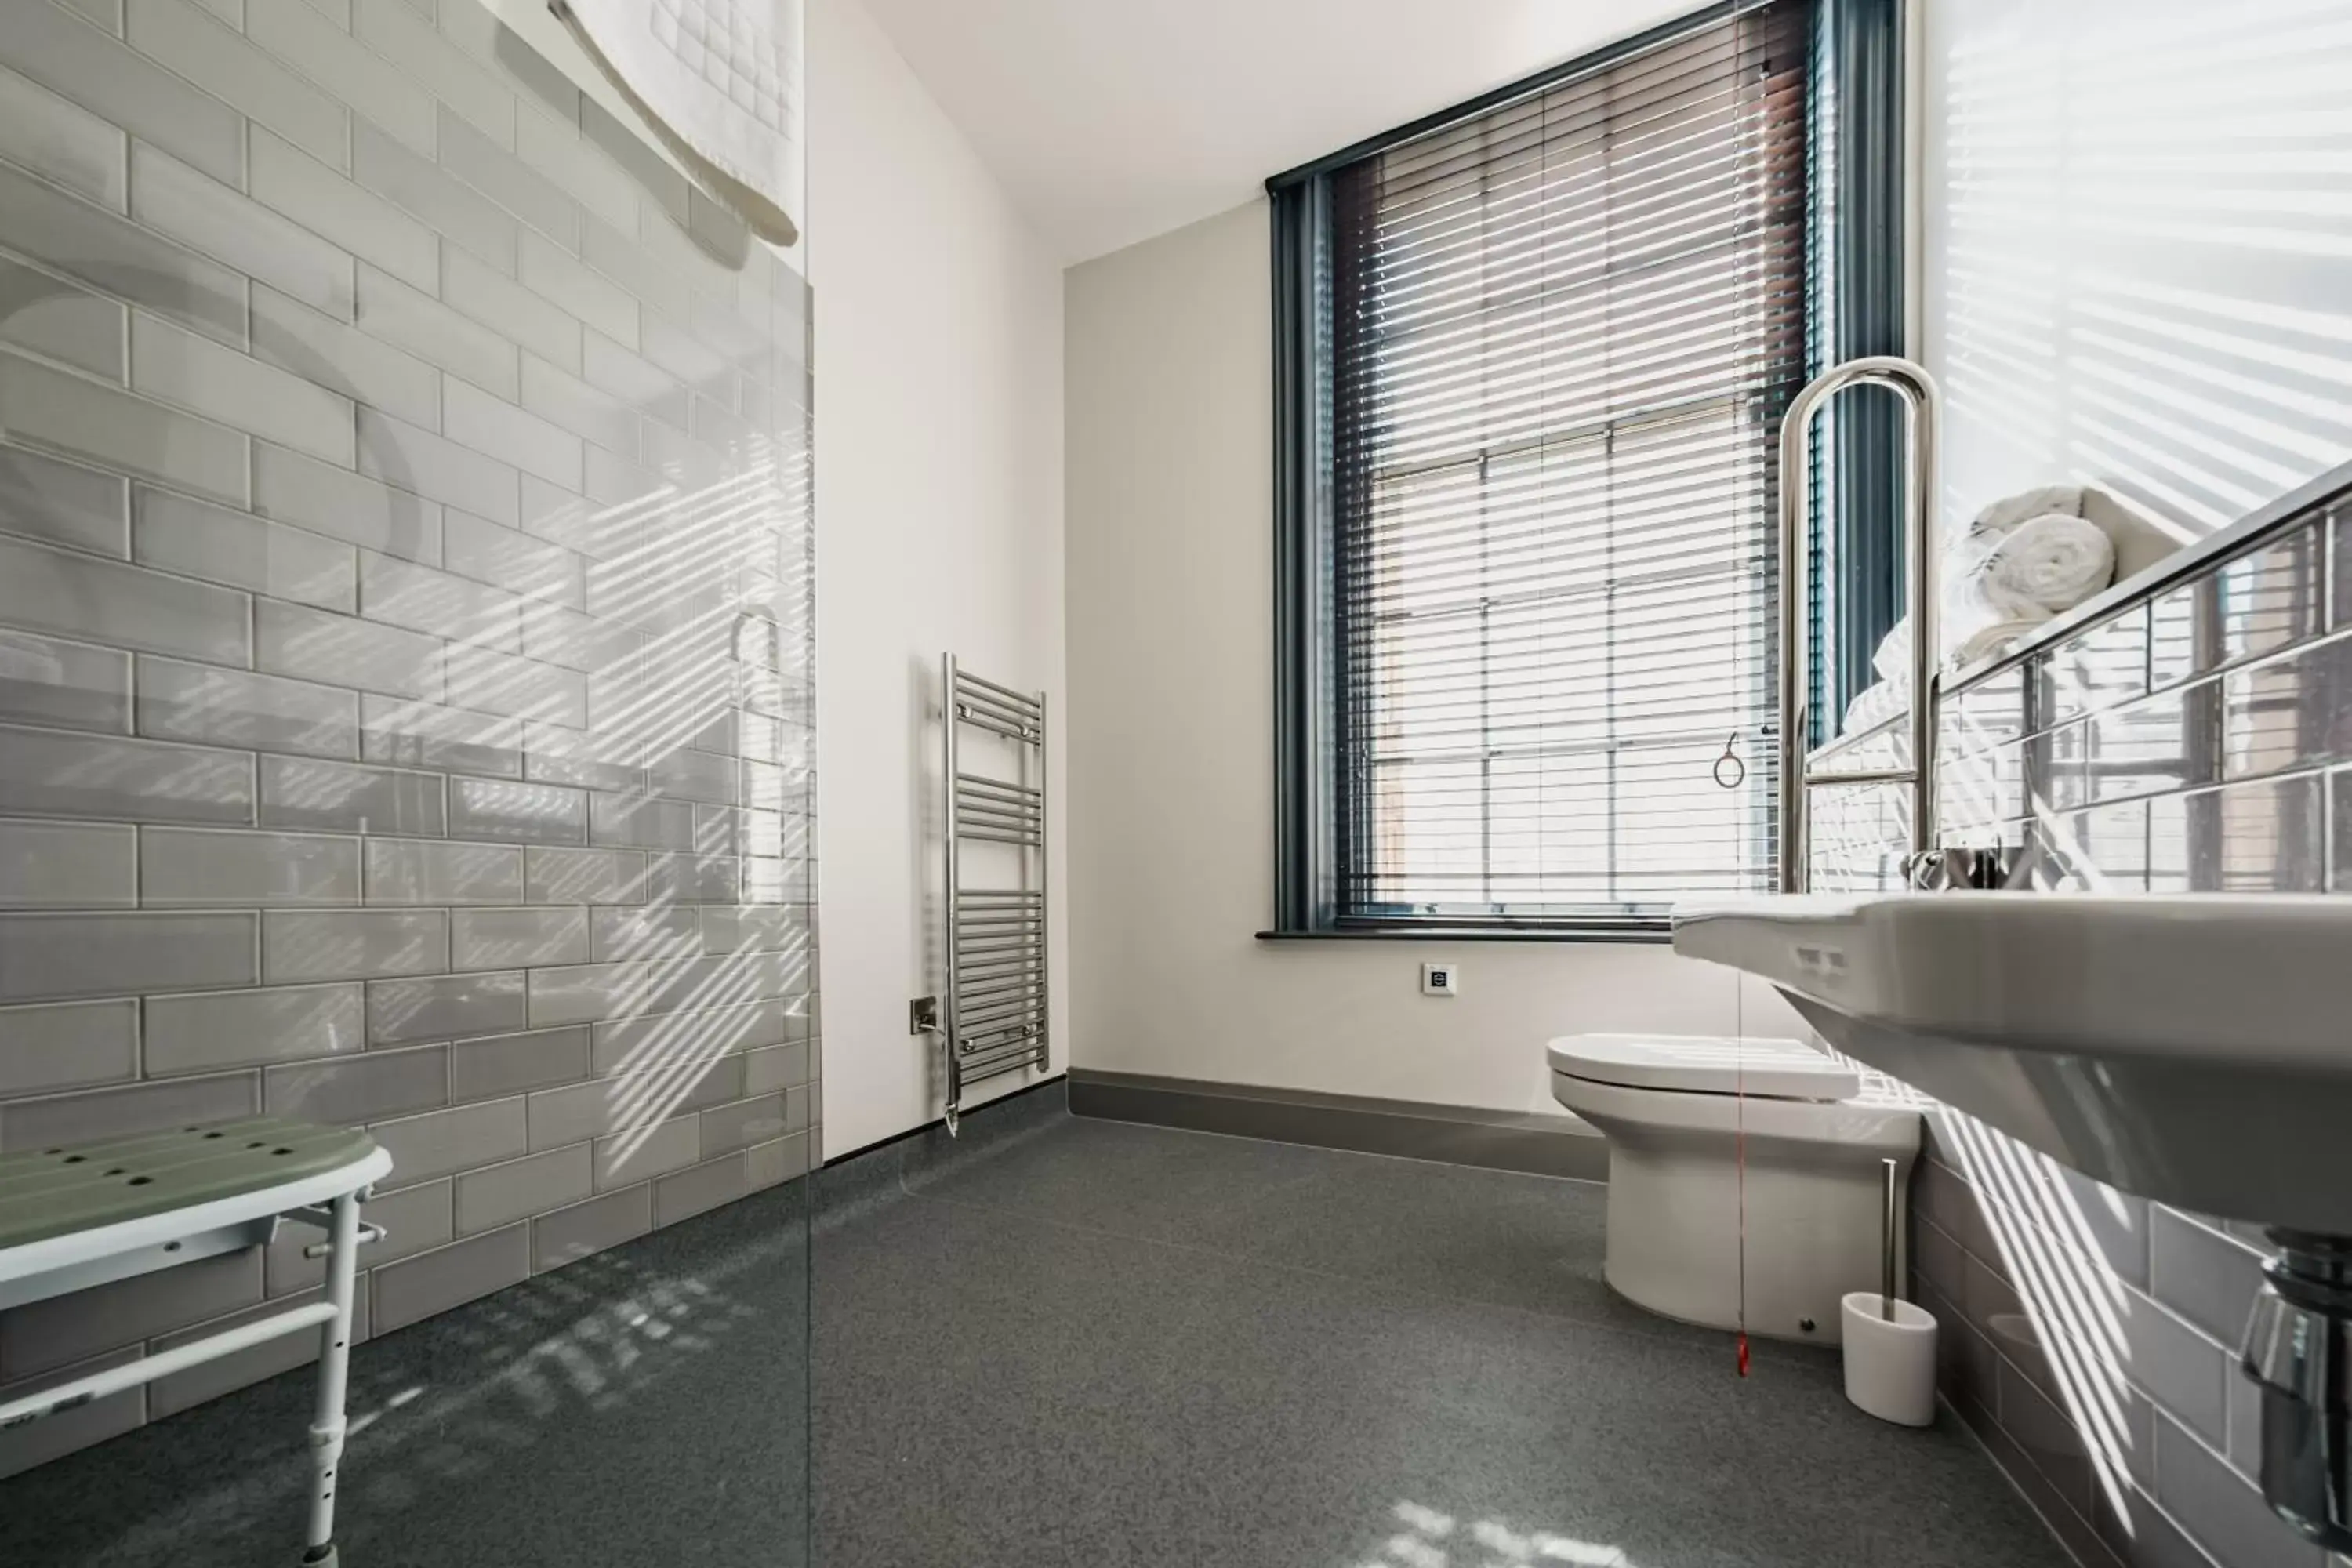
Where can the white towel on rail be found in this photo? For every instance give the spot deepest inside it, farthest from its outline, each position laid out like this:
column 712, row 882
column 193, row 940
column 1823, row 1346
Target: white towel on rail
column 2044, row 565
column 723, row 80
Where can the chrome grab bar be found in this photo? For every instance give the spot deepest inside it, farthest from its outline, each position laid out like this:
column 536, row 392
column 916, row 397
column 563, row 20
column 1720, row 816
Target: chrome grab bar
column 1912, row 383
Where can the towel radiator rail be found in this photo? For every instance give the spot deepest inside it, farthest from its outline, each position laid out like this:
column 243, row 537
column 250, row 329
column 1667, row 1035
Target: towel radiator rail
column 995, row 1020
column 1911, row 383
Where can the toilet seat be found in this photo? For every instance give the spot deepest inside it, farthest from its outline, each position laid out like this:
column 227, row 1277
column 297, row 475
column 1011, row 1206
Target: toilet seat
column 1700, row 1064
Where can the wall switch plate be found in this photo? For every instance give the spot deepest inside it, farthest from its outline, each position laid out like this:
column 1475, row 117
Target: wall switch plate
column 923, row 1016
column 1441, row 979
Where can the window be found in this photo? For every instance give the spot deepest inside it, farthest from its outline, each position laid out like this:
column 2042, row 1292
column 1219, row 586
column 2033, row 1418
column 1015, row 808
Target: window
column 1534, row 359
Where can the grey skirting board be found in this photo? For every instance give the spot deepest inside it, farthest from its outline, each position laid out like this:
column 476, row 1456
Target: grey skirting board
column 1452, row 1134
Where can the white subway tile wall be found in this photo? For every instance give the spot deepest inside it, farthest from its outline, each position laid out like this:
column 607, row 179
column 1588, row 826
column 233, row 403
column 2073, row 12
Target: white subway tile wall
column 392, row 455
column 2197, row 742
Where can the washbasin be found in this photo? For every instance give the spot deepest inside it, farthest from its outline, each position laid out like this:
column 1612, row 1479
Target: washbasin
column 2194, row 1050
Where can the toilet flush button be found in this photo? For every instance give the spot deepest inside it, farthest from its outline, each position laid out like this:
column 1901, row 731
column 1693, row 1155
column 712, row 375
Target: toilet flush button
column 1441, row 979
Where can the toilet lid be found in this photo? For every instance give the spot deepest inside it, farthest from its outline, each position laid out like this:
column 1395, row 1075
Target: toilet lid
column 1698, row 1064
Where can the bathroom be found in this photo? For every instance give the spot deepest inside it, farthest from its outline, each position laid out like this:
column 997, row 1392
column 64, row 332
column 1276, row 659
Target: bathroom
column 1043, row 823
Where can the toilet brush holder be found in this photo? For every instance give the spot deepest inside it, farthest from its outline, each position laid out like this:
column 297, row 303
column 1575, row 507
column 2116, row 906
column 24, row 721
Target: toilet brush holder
column 1890, row 1361
column 1890, row 1346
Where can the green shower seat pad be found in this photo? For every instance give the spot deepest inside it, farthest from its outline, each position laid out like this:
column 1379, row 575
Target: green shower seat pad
column 258, row 1166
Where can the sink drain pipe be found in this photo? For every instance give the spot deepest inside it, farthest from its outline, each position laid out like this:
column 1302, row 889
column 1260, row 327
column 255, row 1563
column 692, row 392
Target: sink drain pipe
column 2298, row 1349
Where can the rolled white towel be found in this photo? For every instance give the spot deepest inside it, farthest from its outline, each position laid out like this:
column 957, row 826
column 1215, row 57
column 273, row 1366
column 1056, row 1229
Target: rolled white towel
column 2046, row 501
column 1875, row 705
column 2043, row 566
column 1963, row 645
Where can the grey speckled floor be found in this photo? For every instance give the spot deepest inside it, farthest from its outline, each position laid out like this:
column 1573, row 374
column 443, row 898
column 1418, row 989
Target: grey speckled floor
column 1071, row 1343
column 1100, row 1344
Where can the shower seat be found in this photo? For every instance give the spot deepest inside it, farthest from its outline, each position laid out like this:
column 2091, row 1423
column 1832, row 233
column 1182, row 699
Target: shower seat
column 75, row 1215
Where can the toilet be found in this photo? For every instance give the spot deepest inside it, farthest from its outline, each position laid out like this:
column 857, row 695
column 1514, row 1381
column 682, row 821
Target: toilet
column 1673, row 1108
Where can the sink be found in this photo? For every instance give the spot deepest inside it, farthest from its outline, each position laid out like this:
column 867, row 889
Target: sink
column 2194, row 1050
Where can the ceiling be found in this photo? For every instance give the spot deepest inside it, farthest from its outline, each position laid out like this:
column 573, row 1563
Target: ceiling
column 1109, row 121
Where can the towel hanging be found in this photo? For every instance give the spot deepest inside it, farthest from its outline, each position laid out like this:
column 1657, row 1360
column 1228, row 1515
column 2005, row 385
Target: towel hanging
column 721, row 81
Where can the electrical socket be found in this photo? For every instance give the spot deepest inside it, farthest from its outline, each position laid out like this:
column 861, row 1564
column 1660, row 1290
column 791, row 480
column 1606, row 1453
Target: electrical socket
column 923, row 1016
column 1441, row 980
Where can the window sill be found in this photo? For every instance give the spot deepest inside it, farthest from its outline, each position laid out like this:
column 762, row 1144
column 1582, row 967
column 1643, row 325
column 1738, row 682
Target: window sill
column 1639, row 936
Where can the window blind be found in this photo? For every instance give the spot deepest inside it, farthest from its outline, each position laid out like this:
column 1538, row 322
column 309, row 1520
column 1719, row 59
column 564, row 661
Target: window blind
column 1562, row 335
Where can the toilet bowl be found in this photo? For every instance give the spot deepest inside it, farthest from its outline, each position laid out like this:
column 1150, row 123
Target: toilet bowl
column 1676, row 1111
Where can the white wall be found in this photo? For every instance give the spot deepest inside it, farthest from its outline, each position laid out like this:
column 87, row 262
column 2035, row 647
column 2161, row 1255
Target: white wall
column 939, row 501
column 1172, row 834
column 2136, row 268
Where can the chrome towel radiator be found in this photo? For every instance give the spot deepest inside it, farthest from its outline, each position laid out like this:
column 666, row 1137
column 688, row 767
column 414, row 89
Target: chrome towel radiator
column 1917, row 388
column 996, row 993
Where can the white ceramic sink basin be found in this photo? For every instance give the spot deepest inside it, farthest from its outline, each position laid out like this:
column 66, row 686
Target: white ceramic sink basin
column 2196, row 1050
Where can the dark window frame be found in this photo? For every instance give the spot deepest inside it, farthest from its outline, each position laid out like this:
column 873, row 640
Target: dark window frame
column 1858, row 261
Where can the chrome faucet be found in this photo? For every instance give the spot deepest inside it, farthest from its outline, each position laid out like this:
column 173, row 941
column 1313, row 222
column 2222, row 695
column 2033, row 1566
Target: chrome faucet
column 1912, row 383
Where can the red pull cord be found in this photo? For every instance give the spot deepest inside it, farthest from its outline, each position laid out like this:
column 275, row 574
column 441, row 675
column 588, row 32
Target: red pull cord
column 1739, row 1160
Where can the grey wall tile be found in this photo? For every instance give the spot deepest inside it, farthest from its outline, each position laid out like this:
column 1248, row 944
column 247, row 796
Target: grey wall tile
column 585, row 875
column 444, row 1007
column 771, row 1164
column 61, row 141
column 678, row 352
column 564, row 400
column 395, row 31
column 175, row 200
column 419, row 871
column 681, row 878
column 435, row 1281
column 642, row 1154
column 567, row 1235
column 552, row 144
column 85, row 420
column 216, row 59
column 631, row 821
column 414, row 1218
column 73, row 58
column 295, row 182
column 517, row 939
column 516, row 812
column 557, row 636
column 45, row 774
column 501, row 1194
column 772, row 1069
column 58, row 502
column 344, row 505
column 347, row 360
column 495, row 682
column 352, row 944
column 459, row 1139
column 2274, row 595
column 2265, row 837
column 63, row 591
column 85, row 242
column 2339, row 807
column 491, row 296
column 423, row 734
column 636, row 381
column 213, row 1030
column 392, row 311
column 45, row 682
column 611, row 248
column 65, row 1329
column 555, row 274
column 61, row 955
column 2220, row 1508
column 744, row 1123
column 60, row 320
column 352, row 1090
column 236, row 707
column 687, row 1040
column 2208, row 1277
column 542, row 88
column 593, row 760
column 644, row 933
column 663, row 186
column 2291, row 711
column 402, row 594
column 474, row 419
column 61, row 865
column 512, row 1064
column 326, row 54
column 234, row 389
column 132, row 1108
column 197, row 539
column 490, row 552
column 455, row 475
column 700, row 776
column 74, row 1045
column 701, row 1188
column 754, row 928
column 338, row 797
column 413, row 182
column 498, row 174
column 292, row 640
column 575, row 1112
column 209, row 869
